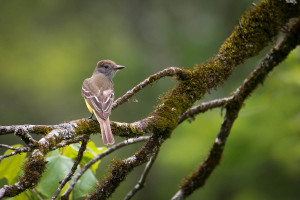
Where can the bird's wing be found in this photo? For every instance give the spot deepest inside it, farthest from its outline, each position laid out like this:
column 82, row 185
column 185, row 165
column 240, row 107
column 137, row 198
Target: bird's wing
column 100, row 100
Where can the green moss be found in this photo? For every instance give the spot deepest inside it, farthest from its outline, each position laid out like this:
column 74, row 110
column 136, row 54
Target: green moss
column 41, row 130
column 132, row 129
column 119, row 169
column 126, row 130
column 33, row 169
column 87, row 126
column 108, row 184
column 257, row 28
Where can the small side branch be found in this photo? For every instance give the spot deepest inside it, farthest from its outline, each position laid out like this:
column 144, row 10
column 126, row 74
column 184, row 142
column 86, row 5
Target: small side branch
column 74, row 167
column 68, row 142
column 66, row 194
column 121, row 168
column 8, row 147
column 171, row 71
column 18, row 150
column 203, row 107
column 142, row 180
column 37, row 194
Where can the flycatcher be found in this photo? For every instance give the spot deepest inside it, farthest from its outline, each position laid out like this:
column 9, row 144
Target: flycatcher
column 98, row 92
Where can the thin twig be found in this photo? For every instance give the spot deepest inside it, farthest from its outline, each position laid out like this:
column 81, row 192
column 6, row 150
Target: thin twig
column 74, row 167
column 8, row 147
column 108, row 185
column 203, row 107
column 28, row 196
column 37, row 194
column 143, row 177
column 171, row 71
column 17, row 151
column 71, row 141
column 97, row 158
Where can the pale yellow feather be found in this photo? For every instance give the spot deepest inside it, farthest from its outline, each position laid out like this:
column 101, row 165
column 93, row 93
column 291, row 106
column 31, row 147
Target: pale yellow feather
column 89, row 107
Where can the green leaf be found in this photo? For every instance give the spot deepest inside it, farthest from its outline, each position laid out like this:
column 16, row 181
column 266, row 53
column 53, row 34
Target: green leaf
column 10, row 167
column 93, row 148
column 53, row 153
column 57, row 168
column 85, row 184
column 91, row 152
column 71, row 151
column 95, row 166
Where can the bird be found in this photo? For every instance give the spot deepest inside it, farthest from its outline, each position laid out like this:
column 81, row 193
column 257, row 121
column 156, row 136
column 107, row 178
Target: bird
column 98, row 93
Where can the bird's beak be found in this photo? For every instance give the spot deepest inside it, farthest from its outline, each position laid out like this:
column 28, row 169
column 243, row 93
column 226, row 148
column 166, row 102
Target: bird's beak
column 118, row 67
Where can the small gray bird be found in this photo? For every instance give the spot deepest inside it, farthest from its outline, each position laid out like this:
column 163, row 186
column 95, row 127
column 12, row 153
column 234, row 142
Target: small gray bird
column 98, row 92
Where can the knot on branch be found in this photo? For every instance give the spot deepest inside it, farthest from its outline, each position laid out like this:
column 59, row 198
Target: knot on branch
column 25, row 136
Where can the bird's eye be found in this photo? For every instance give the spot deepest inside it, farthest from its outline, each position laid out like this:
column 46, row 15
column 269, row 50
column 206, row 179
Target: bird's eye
column 105, row 66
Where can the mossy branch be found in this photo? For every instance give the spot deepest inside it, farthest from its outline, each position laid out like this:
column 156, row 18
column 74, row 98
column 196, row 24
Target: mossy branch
column 257, row 28
column 233, row 105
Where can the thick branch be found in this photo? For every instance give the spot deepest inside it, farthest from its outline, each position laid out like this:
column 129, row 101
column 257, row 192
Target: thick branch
column 121, row 168
column 257, row 28
column 35, row 164
column 273, row 58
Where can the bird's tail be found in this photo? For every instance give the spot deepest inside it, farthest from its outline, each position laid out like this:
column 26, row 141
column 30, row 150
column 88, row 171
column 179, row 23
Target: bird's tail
column 107, row 136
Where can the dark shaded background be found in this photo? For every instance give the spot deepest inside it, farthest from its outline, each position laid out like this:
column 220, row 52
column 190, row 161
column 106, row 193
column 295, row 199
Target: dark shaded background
column 49, row 47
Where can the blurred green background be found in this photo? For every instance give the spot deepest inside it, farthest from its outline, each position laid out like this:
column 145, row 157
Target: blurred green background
column 48, row 48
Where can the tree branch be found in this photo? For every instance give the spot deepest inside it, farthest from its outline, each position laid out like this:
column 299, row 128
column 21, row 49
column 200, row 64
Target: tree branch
column 97, row 158
column 277, row 54
column 142, row 180
column 203, row 107
column 119, row 169
column 171, row 71
column 246, row 41
column 74, row 167
column 37, row 194
column 35, row 165
column 8, row 147
column 256, row 29
column 17, row 151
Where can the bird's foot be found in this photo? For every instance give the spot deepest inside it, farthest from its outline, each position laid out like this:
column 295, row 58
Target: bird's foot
column 91, row 117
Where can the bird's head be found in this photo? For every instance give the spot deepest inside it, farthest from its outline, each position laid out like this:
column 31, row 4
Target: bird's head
column 107, row 68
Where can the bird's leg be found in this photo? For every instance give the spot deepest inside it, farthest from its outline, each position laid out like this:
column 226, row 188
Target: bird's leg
column 91, row 117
